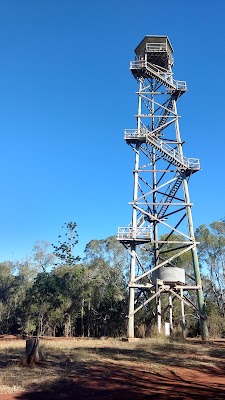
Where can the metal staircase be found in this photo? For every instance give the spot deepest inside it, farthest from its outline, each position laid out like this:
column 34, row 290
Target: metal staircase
column 172, row 154
column 168, row 153
column 144, row 68
column 163, row 118
column 161, row 203
column 139, row 233
column 169, row 196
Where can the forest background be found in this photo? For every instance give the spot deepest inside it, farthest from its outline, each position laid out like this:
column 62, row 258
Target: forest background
column 55, row 292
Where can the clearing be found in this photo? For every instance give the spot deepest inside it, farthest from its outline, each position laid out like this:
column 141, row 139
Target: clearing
column 114, row 370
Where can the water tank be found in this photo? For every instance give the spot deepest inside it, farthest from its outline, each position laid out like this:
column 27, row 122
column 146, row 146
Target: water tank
column 169, row 275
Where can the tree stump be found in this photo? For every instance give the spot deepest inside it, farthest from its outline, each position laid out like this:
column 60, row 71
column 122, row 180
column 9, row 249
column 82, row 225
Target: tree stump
column 31, row 355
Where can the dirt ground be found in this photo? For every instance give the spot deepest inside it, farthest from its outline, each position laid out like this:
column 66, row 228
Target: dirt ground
column 107, row 380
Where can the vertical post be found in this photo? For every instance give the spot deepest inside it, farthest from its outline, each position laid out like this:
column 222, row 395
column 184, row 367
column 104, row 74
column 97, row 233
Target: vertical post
column 131, row 294
column 134, row 226
column 201, row 303
column 200, row 297
column 155, row 223
column 183, row 325
column 133, row 249
column 171, row 313
column 158, row 309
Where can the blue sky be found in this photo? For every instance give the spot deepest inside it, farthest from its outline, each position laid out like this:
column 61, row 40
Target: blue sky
column 66, row 95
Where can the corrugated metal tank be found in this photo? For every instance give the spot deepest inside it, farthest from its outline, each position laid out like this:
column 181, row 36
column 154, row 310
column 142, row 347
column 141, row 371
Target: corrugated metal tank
column 171, row 275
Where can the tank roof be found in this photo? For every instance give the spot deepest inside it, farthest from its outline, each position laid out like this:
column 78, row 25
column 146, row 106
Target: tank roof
column 153, row 39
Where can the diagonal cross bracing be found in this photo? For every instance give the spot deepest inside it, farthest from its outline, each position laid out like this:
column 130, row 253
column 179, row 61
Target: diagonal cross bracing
column 161, row 208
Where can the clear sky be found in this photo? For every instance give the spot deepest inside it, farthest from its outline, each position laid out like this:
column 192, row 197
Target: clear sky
column 66, row 95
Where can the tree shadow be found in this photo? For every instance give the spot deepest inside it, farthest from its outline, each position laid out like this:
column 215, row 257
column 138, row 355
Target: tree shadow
column 178, row 372
column 174, row 355
column 107, row 381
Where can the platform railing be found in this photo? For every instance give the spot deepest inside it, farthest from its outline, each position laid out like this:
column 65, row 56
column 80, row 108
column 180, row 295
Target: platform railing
column 182, row 85
column 159, row 48
column 156, row 47
column 166, row 76
column 169, row 151
column 128, row 232
column 193, row 163
column 133, row 133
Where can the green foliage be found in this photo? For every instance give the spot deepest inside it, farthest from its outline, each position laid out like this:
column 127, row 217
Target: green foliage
column 216, row 326
column 64, row 250
column 212, row 256
column 42, row 257
column 90, row 298
column 106, row 262
column 169, row 250
column 14, row 283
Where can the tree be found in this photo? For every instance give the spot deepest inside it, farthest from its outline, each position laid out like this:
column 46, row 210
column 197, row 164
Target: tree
column 73, row 284
column 7, row 311
column 42, row 299
column 212, row 255
column 43, row 258
column 64, row 250
column 106, row 263
column 15, row 280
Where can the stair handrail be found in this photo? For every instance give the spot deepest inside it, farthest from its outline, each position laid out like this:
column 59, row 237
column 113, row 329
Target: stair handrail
column 166, row 76
column 170, row 151
column 192, row 163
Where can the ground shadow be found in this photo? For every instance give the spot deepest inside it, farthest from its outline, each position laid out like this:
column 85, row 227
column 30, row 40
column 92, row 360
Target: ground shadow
column 120, row 374
column 176, row 356
column 107, row 381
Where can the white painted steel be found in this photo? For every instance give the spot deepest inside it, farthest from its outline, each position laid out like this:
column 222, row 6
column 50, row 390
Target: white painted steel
column 127, row 232
column 168, row 151
column 158, row 73
column 161, row 202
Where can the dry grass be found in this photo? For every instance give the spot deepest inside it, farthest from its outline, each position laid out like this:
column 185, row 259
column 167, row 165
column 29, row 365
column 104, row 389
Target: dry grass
column 62, row 359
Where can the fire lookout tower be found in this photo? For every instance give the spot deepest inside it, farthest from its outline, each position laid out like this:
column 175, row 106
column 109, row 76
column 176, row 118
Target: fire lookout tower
column 161, row 229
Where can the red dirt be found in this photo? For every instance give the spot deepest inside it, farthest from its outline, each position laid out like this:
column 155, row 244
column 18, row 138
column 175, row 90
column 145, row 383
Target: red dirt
column 107, row 382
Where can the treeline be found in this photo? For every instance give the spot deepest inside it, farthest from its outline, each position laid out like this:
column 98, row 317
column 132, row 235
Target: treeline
column 56, row 293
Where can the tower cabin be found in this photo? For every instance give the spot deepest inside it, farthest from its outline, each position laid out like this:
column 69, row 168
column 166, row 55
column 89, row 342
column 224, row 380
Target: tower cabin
column 155, row 50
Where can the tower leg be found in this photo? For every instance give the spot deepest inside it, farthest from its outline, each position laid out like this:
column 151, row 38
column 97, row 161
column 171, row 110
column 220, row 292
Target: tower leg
column 158, row 310
column 183, row 325
column 130, row 332
column 200, row 297
column 201, row 303
column 171, row 313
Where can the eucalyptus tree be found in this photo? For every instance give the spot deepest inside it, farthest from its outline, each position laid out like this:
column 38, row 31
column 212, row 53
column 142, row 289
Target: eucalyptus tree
column 106, row 262
column 6, row 288
column 42, row 299
column 212, row 256
column 43, row 257
column 15, row 279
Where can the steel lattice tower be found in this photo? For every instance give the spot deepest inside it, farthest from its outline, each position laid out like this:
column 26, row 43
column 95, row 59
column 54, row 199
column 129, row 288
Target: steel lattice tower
column 161, row 209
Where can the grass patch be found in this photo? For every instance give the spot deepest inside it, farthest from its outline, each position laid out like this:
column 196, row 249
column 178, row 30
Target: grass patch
column 63, row 359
